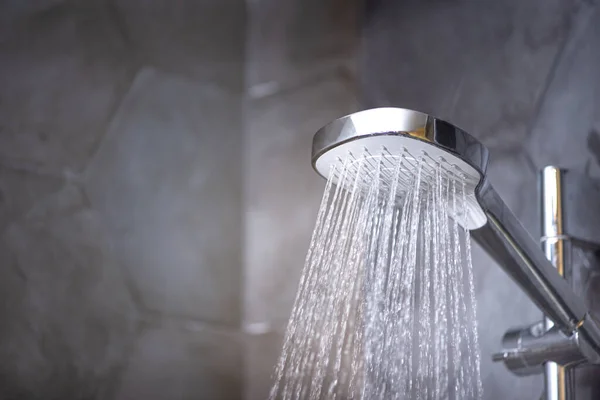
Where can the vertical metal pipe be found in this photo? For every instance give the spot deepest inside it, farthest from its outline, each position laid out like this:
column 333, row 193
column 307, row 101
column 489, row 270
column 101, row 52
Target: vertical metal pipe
column 557, row 248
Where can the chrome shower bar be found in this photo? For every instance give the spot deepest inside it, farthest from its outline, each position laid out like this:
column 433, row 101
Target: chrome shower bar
column 558, row 379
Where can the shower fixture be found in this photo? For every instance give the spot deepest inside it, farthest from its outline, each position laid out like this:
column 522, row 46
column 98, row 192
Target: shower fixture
column 570, row 335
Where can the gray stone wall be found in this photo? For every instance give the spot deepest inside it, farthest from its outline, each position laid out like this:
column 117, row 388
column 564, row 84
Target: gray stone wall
column 521, row 76
column 121, row 209
column 156, row 194
column 300, row 75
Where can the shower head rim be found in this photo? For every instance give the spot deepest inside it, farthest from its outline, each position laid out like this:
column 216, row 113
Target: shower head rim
column 398, row 132
column 393, row 121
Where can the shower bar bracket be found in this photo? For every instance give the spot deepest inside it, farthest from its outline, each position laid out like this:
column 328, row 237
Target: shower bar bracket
column 568, row 200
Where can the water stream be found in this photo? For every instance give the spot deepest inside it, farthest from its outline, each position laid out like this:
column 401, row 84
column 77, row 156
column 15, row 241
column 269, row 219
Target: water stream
column 385, row 307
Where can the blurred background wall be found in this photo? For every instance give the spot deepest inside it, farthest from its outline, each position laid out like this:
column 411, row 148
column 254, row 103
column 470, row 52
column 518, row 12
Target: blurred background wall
column 156, row 194
column 521, row 76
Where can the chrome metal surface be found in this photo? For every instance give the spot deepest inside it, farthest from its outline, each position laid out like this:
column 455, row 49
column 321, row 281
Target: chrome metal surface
column 525, row 350
column 505, row 239
column 502, row 236
column 557, row 248
column 400, row 121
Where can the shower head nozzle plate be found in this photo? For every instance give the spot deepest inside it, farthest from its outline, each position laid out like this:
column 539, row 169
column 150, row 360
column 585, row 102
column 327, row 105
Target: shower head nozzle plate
column 397, row 134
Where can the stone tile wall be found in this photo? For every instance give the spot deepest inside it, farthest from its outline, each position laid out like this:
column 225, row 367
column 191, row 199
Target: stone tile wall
column 121, row 215
column 522, row 77
column 156, row 194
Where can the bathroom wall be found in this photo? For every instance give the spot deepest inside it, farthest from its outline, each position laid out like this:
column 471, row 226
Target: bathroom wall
column 156, row 195
column 521, row 76
column 121, row 214
column 300, row 75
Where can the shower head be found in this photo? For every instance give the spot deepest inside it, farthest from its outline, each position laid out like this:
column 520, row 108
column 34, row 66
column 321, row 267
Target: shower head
column 397, row 135
column 439, row 147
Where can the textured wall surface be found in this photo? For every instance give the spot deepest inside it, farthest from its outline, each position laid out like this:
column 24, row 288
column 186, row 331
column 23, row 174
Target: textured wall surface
column 121, row 199
column 300, row 75
column 156, row 194
column 522, row 77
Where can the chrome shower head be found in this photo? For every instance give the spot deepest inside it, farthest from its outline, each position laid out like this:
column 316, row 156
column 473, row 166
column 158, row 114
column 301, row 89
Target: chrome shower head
column 396, row 133
column 407, row 134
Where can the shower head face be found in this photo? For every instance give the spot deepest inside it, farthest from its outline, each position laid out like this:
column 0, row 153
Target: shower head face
column 410, row 143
